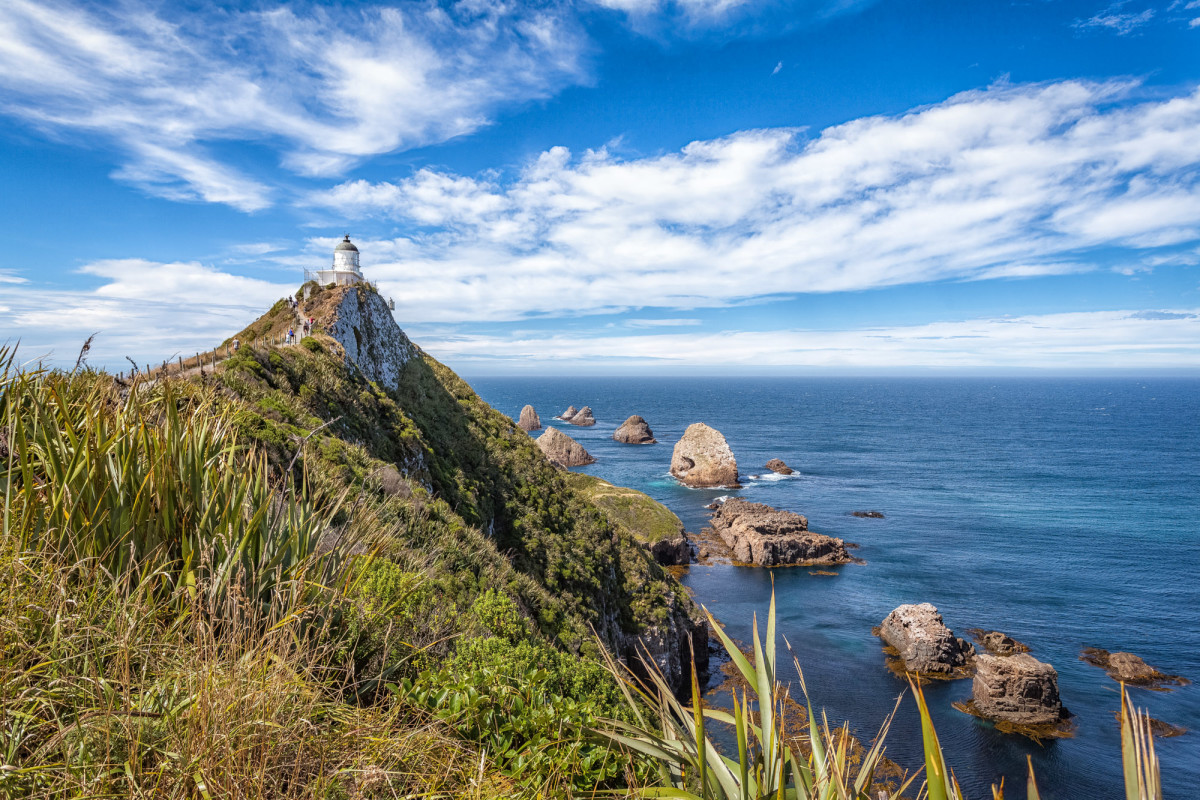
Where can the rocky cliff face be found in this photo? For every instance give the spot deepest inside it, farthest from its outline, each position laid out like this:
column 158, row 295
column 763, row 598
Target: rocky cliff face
column 372, row 341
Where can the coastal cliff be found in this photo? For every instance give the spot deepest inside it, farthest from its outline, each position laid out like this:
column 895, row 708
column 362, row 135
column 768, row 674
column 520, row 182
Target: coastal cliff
column 505, row 516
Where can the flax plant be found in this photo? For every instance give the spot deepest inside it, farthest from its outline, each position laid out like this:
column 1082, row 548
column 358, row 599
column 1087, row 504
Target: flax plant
column 148, row 482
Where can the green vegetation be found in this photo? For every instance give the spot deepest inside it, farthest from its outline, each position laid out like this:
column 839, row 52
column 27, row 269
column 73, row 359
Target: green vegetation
column 633, row 512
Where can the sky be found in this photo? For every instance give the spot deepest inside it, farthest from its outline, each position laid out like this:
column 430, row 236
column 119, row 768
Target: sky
column 615, row 186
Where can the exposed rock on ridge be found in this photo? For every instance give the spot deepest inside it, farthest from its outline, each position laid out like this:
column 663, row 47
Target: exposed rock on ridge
column 702, row 459
column 365, row 328
column 759, row 534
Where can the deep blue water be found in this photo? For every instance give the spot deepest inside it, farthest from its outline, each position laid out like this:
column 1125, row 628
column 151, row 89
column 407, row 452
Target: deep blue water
column 1064, row 512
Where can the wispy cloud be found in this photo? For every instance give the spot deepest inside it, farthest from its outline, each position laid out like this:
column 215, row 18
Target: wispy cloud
column 8, row 276
column 1089, row 340
column 778, row 68
column 1117, row 20
column 1013, row 181
column 327, row 87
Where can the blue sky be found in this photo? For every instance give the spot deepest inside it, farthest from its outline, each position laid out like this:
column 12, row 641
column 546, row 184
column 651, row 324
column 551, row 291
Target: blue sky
column 619, row 186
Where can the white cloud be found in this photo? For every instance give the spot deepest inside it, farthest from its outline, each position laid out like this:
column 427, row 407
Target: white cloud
column 142, row 309
column 1008, row 182
column 328, row 87
column 8, row 276
column 1116, row 20
column 778, row 68
column 1089, row 340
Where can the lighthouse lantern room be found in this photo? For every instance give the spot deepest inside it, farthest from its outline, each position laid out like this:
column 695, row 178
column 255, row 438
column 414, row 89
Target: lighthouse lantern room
column 345, row 271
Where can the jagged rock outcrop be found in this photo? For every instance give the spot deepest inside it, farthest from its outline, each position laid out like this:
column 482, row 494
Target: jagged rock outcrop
column 363, row 325
column 634, row 431
column 776, row 465
column 759, row 534
column 562, row 449
column 671, row 552
column 671, row 645
column 924, row 643
column 997, row 643
column 570, row 412
column 702, row 459
column 529, row 421
column 1128, row 668
column 583, row 417
column 1018, row 689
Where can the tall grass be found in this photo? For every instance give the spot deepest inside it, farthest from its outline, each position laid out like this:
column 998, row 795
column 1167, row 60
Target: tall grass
column 769, row 764
column 150, row 485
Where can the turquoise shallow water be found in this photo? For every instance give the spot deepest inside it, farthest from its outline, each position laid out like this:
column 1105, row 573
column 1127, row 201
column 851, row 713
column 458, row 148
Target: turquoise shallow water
column 1065, row 513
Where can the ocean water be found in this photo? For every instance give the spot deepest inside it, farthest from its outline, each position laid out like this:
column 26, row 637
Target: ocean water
column 1064, row 512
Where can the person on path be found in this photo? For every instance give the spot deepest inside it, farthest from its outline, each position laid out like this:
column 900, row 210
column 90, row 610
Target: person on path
column 236, row 344
column 291, row 337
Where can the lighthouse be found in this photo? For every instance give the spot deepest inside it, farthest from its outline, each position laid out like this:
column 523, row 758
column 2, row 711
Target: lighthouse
column 346, row 271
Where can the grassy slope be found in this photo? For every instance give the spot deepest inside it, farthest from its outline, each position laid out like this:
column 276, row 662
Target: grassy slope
column 634, row 512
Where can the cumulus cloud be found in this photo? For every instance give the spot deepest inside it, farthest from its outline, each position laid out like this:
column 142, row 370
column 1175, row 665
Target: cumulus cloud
column 1086, row 340
column 328, row 87
column 1013, row 181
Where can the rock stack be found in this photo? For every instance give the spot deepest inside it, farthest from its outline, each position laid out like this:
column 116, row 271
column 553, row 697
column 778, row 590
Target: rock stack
column 634, row 431
column 924, row 643
column 529, row 420
column 583, row 417
column 562, row 449
column 702, row 459
column 1017, row 689
column 566, row 415
column 776, row 465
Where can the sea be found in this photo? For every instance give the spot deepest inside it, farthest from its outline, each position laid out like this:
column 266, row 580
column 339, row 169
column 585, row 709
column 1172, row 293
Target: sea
column 1063, row 512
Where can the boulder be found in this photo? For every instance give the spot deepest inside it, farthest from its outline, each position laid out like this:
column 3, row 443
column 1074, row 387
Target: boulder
column 702, row 459
column 761, row 535
column 562, row 449
column 1018, row 689
column 566, row 415
column 867, row 514
column 1128, row 668
column 583, row 417
column 634, row 431
column 529, row 421
column 776, row 465
column 997, row 643
column 925, row 644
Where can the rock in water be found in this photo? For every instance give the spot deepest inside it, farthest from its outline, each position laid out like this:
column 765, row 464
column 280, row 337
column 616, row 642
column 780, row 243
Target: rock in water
column 1017, row 689
column 759, row 534
column 562, row 449
column 634, row 431
column 997, row 643
column 925, row 644
column 867, row 514
column 776, row 465
column 566, row 415
column 583, row 417
column 702, row 458
column 529, row 420
column 1128, row 668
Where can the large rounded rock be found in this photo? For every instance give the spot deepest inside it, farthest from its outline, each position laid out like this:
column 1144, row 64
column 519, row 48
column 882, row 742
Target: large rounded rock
column 634, row 431
column 702, row 458
column 529, row 421
column 562, row 449
column 1017, row 689
column 777, row 465
column 925, row 644
column 583, row 417
column 768, row 537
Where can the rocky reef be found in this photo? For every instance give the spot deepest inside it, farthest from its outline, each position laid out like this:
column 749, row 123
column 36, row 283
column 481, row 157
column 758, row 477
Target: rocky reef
column 867, row 514
column 1130, row 669
column 634, row 430
column 761, row 535
column 563, row 450
column 776, row 465
column 997, row 643
column 702, row 459
column 924, row 645
column 529, row 421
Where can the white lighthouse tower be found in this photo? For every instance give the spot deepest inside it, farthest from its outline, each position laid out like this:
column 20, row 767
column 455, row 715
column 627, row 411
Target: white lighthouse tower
column 345, row 271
